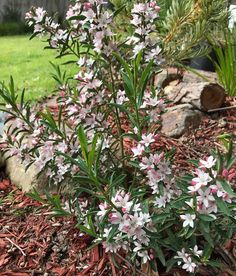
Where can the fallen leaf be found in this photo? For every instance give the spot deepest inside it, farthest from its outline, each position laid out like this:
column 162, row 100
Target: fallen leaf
column 5, row 185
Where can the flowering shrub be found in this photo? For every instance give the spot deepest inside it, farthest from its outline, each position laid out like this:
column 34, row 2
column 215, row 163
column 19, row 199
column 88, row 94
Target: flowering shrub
column 135, row 204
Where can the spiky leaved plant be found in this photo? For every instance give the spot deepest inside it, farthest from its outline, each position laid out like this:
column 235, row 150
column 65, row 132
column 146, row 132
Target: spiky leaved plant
column 186, row 26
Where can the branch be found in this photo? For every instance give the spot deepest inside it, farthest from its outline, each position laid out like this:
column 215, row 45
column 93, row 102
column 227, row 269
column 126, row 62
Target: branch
column 17, row 246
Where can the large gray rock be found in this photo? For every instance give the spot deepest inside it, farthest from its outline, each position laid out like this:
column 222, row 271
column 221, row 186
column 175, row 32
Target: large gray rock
column 179, row 119
column 26, row 180
column 190, row 77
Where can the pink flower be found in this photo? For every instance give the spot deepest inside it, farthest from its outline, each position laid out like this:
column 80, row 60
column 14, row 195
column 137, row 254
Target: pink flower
column 137, row 151
column 103, row 209
column 208, row 163
column 147, row 139
column 146, row 164
column 202, row 179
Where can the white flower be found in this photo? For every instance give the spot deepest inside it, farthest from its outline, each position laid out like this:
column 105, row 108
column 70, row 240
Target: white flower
column 202, row 179
column 208, row 163
column 107, row 232
column 137, row 151
column 111, row 247
column 181, row 255
column 190, row 203
column 197, row 252
column 146, row 164
column 147, row 139
column 144, row 255
column 138, row 48
column 40, row 13
column 139, row 8
column 103, row 209
column 121, row 98
column 189, row 265
column 144, row 218
column 138, row 247
column 160, row 201
column 188, row 220
column 135, row 130
column 204, row 197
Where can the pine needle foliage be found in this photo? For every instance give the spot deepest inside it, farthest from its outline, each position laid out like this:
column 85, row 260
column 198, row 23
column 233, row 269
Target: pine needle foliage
column 186, row 26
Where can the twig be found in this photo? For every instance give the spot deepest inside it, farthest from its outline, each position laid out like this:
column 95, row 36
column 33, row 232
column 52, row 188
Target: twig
column 17, row 246
column 130, row 265
column 230, row 272
column 112, row 266
column 222, row 108
column 225, row 252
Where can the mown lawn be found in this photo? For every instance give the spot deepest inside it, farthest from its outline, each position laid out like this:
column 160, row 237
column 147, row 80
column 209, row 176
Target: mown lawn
column 28, row 63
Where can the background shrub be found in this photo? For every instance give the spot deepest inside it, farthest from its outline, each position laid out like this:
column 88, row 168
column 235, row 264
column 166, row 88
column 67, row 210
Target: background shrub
column 13, row 28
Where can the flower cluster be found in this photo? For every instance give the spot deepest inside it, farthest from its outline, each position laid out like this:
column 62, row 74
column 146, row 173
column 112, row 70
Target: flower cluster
column 135, row 202
column 185, row 258
column 92, row 22
column 127, row 223
column 157, row 169
column 207, row 187
column 144, row 16
column 45, row 25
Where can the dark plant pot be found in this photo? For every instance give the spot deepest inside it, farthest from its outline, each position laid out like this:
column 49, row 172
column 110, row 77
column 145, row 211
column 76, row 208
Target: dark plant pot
column 204, row 63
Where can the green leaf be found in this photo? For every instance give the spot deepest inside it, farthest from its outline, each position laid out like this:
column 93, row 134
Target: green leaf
column 111, row 234
column 230, row 163
column 120, row 9
column 86, row 230
column 36, row 196
column 222, row 206
column 91, row 225
column 143, row 82
column 170, row 263
column 91, row 155
column 215, row 263
column 219, row 162
column 124, row 64
column 230, row 152
column 207, row 252
column 226, row 187
column 159, row 253
column 129, row 87
column 206, row 217
column 204, row 228
column 83, row 142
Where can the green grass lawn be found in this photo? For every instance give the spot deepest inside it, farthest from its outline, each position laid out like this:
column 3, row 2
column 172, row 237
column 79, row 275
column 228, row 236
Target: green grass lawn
column 28, row 63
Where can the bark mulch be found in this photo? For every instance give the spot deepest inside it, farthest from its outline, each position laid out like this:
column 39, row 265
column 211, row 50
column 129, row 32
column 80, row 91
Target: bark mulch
column 32, row 242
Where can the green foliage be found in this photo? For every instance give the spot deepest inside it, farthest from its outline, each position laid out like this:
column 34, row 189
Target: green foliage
column 225, row 65
column 13, row 28
column 186, row 25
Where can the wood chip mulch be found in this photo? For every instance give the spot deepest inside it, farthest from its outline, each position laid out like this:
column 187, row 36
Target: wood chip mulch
column 32, row 242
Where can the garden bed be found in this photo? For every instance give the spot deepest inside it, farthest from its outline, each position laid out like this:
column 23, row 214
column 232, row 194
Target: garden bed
column 33, row 242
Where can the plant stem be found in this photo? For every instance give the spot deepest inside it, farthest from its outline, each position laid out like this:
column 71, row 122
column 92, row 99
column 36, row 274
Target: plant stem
column 119, row 129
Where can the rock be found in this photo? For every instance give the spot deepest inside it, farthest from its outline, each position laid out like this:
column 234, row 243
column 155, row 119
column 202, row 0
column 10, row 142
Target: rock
column 190, row 77
column 178, row 119
column 186, row 76
column 26, row 180
column 202, row 96
column 166, row 76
